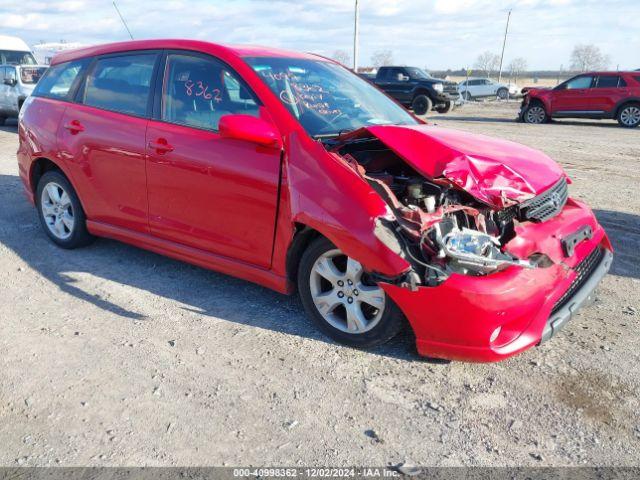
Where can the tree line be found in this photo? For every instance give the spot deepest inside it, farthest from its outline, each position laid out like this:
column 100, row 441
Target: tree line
column 583, row 58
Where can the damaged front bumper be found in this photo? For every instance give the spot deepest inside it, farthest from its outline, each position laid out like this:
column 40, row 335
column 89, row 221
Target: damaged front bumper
column 579, row 294
column 490, row 318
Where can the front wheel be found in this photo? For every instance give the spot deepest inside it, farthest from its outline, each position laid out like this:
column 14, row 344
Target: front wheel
column 421, row 105
column 446, row 108
column 467, row 96
column 535, row 114
column 60, row 212
column 342, row 299
column 629, row 116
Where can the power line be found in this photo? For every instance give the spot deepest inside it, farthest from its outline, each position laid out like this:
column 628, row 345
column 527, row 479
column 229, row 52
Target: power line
column 504, row 43
column 122, row 18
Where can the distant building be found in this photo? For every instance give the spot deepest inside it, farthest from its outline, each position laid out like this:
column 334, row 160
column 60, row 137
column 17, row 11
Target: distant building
column 44, row 52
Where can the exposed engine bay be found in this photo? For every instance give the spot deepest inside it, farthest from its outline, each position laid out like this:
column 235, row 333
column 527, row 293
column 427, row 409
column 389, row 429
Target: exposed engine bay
column 439, row 228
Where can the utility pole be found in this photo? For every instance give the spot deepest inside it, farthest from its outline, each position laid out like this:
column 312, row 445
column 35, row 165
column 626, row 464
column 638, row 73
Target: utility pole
column 122, row 18
column 504, row 43
column 355, row 37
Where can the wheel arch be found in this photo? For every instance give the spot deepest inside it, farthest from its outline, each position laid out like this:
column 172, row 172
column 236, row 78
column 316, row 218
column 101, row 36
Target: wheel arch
column 623, row 103
column 421, row 91
column 302, row 238
column 42, row 165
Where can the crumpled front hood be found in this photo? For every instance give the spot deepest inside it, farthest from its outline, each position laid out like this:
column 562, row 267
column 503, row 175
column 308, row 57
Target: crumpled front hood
column 497, row 172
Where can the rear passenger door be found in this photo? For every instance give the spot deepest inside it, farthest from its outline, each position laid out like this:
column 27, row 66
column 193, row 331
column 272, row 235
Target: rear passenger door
column 102, row 136
column 607, row 91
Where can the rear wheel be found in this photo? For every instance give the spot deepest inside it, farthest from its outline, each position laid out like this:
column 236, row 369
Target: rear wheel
column 342, row 300
column 60, row 212
column 446, row 108
column 503, row 93
column 421, row 105
column 629, row 115
column 535, row 113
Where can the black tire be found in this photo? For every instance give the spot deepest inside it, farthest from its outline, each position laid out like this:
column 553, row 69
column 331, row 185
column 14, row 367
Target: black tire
column 421, row 105
column 390, row 323
column 78, row 236
column 535, row 113
column 629, row 115
column 446, row 108
column 467, row 96
column 503, row 93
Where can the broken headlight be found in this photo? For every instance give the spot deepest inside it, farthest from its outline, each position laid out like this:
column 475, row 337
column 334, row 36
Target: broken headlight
column 473, row 251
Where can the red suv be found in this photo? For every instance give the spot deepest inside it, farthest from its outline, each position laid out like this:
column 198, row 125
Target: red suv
column 597, row 95
column 288, row 170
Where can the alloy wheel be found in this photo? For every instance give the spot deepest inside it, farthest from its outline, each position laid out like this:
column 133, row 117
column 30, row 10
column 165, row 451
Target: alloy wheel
column 57, row 210
column 630, row 116
column 342, row 294
column 535, row 115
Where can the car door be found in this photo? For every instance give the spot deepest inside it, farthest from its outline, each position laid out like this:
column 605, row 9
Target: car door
column 607, row 91
column 205, row 191
column 3, row 91
column 397, row 84
column 9, row 92
column 474, row 88
column 489, row 88
column 102, row 137
column 572, row 96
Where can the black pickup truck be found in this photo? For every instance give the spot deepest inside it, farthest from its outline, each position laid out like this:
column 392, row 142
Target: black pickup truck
column 416, row 89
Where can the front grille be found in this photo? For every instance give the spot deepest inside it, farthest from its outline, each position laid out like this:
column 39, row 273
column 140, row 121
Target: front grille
column 583, row 271
column 546, row 205
column 450, row 88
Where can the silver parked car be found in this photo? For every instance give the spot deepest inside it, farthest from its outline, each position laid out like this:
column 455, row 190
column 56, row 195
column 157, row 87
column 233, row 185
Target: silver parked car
column 16, row 83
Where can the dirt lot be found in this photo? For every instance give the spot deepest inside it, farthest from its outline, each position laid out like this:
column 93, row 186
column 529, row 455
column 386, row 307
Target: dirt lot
column 111, row 355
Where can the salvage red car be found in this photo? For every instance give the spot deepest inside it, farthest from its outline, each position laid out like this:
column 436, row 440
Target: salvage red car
column 288, row 170
column 595, row 95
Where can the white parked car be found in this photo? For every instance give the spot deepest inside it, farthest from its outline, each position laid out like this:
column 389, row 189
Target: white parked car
column 18, row 75
column 485, row 87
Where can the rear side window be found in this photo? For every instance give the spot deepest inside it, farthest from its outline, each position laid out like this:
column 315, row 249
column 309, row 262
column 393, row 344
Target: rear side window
column 198, row 91
column 637, row 78
column 58, row 80
column 610, row 81
column 121, row 84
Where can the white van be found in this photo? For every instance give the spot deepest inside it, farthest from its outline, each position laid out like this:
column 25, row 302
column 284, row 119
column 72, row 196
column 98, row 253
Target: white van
column 19, row 74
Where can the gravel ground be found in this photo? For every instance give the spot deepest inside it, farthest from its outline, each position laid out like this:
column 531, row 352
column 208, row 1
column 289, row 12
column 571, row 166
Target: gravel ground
column 116, row 356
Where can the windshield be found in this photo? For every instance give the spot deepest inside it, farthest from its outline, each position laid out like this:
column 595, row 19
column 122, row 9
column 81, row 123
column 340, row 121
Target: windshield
column 31, row 75
column 12, row 57
column 417, row 73
column 326, row 98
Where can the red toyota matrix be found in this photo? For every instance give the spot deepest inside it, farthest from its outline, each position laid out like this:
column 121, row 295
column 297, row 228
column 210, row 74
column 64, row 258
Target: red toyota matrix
column 288, row 170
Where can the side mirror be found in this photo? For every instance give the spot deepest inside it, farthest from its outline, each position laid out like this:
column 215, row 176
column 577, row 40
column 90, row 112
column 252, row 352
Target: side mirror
column 250, row 129
column 10, row 81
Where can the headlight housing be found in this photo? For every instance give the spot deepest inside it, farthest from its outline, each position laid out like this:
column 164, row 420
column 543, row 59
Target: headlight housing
column 476, row 251
column 438, row 87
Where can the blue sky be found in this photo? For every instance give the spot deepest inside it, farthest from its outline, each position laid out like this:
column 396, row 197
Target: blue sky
column 436, row 34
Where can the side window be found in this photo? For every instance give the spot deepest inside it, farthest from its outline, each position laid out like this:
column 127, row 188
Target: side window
column 238, row 94
column 579, row 82
column 197, row 91
column 2, row 70
column 58, row 80
column 121, row 84
column 608, row 81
